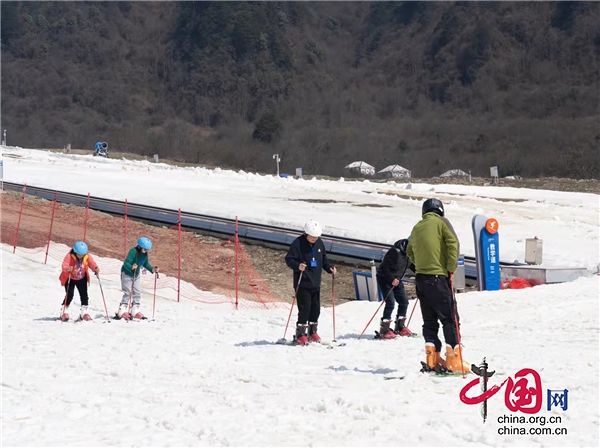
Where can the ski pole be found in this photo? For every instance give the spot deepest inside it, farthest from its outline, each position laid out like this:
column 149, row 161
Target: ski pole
column 333, row 303
column 66, row 296
column 103, row 300
column 462, row 367
column 293, row 302
column 377, row 311
column 154, row 301
column 412, row 312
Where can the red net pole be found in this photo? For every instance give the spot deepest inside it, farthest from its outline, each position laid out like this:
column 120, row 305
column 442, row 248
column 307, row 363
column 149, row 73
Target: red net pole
column 333, row 303
column 87, row 211
column 237, row 270
column 179, row 257
column 125, row 241
column 51, row 222
column 19, row 222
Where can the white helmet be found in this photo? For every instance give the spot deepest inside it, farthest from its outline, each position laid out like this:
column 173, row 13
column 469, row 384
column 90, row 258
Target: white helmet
column 313, row 228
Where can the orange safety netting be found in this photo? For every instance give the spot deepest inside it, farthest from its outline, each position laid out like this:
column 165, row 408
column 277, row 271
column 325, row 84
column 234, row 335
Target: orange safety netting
column 197, row 270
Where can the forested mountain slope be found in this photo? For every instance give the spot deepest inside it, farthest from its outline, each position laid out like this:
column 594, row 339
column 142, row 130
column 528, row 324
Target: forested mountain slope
column 430, row 86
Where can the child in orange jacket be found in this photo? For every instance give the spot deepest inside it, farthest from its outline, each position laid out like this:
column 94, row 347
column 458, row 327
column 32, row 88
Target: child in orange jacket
column 75, row 274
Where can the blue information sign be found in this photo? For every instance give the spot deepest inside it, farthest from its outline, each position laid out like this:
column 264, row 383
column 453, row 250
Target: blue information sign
column 491, row 260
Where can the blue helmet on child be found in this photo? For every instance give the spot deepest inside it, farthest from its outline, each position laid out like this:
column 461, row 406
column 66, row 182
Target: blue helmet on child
column 80, row 248
column 145, row 243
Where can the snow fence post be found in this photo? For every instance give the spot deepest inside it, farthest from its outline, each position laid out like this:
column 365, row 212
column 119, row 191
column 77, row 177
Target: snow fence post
column 125, row 239
column 87, row 211
column 19, row 222
column 51, row 222
column 179, row 256
column 237, row 271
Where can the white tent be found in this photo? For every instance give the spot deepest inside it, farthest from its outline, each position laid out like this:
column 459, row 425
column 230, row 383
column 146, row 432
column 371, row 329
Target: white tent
column 395, row 171
column 454, row 173
column 361, row 167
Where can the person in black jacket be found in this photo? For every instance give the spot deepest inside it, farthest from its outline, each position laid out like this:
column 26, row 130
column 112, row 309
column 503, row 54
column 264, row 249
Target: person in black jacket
column 307, row 256
column 389, row 275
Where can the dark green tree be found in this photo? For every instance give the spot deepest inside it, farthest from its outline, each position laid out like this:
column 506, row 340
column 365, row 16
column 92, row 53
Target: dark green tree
column 267, row 129
column 10, row 27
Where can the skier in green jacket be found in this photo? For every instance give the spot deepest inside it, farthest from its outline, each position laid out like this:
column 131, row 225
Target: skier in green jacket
column 433, row 248
column 131, row 280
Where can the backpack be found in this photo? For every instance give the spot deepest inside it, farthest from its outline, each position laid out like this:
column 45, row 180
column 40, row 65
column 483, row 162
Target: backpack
column 403, row 261
column 398, row 269
column 64, row 275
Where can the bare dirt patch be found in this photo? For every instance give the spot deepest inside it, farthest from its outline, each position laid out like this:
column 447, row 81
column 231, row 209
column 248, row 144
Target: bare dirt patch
column 400, row 195
column 372, row 205
column 422, row 198
column 542, row 183
column 505, row 199
column 320, row 201
column 270, row 263
column 206, row 262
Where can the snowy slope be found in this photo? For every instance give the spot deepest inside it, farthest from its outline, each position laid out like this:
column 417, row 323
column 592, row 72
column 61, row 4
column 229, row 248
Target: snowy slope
column 207, row 375
column 567, row 222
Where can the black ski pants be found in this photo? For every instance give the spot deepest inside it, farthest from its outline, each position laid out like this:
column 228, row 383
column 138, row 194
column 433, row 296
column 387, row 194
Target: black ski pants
column 437, row 304
column 309, row 305
column 82, row 286
column 397, row 295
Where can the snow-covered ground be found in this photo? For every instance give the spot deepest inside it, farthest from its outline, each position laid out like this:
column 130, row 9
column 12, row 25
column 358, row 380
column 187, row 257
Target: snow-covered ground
column 568, row 223
column 208, row 375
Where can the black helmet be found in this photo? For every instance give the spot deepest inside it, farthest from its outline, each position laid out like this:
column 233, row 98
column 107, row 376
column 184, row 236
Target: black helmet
column 433, row 205
column 401, row 244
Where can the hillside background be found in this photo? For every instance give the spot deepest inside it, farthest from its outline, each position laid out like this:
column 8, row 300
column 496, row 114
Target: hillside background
column 430, row 86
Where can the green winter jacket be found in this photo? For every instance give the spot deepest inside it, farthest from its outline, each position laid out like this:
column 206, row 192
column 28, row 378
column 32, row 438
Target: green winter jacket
column 133, row 257
column 433, row 246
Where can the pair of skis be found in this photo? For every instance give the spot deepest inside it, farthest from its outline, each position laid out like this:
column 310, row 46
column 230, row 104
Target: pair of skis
column 334, row 342
column 445, row 373
column 442, row 372
column 323, row 343
column 116, row 317
column 79, row 319
column 132, row 319
column 378, row 336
